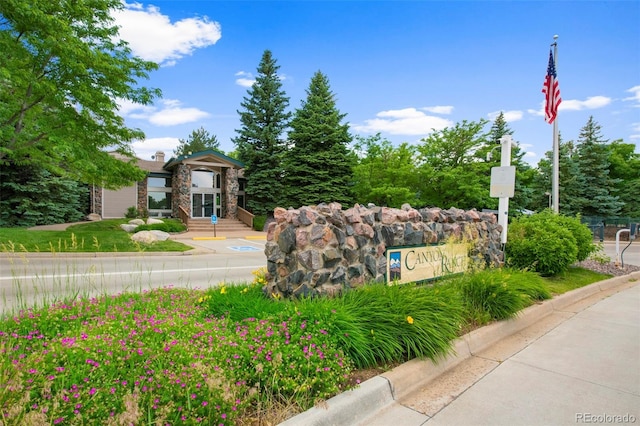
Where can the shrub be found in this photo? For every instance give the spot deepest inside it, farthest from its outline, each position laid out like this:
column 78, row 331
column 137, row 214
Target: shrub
column 132, row 213
column 541, row 243
column 168, row 226
column 582, row 234
column 258, row 222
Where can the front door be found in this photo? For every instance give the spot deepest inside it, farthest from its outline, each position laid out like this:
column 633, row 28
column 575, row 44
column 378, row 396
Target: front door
column 202, row 204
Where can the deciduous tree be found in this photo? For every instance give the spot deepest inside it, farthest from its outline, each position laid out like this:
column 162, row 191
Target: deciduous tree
column 63, row 71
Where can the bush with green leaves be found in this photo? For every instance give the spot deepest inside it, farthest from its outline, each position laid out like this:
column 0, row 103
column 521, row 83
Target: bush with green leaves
column 167, row 226
column 544, row 243
column 258, row 222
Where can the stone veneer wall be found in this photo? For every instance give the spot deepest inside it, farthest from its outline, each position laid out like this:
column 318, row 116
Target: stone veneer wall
column 317, row 250
column 142, row 197
column 181, row 189
column 232, row 187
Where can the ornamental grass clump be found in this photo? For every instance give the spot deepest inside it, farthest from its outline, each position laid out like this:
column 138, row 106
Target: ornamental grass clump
column 487, row 296
column 379, row 324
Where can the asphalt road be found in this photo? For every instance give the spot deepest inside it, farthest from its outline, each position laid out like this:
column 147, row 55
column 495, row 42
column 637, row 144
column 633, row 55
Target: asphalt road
column 40, row 280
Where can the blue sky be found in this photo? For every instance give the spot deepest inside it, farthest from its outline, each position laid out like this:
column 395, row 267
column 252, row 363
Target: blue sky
column 401, row 68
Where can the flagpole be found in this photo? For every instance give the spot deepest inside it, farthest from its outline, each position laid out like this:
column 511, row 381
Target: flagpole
column 556, row 143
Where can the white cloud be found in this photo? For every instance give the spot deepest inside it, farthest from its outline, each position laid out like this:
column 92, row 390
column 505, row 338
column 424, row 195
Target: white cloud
column 153, row 37
column 127, row 108
column 245, row 79
column 440, row 109
column 592, row 102
column 635, row 90
column 509, row 116
column 144, row 149
column 170, row 112
column 173, row 114
column 407, row 121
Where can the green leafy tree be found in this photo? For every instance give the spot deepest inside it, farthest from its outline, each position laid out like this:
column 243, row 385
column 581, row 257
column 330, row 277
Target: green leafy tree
column 31, row 195
column 593, row 161
column 383, row 174
column 259, row 143
column 62, row 73
column 452, row 170
column 199, row 140
column 318, row 165
column 624, row 169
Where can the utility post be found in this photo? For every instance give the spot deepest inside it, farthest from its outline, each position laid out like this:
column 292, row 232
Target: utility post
column 503, row 180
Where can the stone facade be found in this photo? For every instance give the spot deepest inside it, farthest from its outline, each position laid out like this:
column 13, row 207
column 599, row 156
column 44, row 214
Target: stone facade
column 231, row 187
column 318, row 250
column 142, row 197
column 181, row 189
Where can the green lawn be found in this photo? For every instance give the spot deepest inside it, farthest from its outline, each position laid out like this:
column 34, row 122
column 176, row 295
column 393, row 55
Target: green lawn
column 100, row 236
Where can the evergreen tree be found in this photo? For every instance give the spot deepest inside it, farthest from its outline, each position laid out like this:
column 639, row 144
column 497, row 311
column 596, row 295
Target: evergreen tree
column 259, row 144
column 593, row 162
column 30, row 195
column 199, row 140
column 318, row 163
column 571, row 180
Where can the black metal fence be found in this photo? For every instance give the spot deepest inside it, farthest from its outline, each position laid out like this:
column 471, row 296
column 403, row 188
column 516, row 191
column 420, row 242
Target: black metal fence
column 605, row 228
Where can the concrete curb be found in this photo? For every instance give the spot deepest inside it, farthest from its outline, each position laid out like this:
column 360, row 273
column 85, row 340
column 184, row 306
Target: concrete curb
column 374, row 395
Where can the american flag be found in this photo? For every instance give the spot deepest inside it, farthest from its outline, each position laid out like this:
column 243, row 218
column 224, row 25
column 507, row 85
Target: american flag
column 551, row 92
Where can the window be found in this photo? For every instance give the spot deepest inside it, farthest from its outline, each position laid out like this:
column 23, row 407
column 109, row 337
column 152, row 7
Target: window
column 158, row 193
column 159, row 182
column 200, row 179
column 159, row 201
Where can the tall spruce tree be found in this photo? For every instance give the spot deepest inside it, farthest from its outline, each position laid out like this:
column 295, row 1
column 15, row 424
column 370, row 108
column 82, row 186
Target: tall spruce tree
column 571, row 180
column 593, row 161
column 318, row 163
column 259, row 143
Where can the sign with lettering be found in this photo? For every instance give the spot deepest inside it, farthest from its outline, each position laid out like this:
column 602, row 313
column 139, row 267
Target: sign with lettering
column 422, row 263
column 214, row 219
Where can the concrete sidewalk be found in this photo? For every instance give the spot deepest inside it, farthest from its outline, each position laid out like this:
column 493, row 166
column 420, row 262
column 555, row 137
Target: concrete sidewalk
column 571, row 360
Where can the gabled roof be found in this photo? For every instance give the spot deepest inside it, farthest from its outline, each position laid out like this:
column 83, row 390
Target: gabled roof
column 207, row 156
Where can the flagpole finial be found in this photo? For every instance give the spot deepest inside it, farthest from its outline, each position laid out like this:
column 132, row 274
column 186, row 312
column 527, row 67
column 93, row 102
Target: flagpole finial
column 555, row 37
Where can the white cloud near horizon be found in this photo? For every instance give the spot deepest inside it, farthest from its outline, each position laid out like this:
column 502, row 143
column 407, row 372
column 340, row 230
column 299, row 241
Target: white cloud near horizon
column 440, row 109
column 153, row 37
column 144, row 149
column 170, row 112
column 592, row 102
column 509, row 116
column 245, row 79
column 407, row 121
